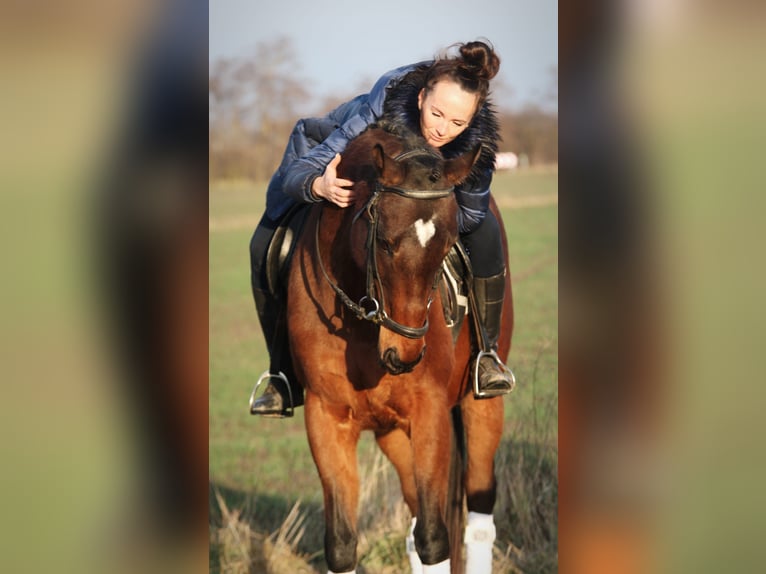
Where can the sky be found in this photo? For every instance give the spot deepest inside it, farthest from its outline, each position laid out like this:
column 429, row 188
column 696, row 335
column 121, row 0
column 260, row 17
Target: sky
column 341, row 44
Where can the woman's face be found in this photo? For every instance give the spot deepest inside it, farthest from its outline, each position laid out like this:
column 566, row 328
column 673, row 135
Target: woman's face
column 445, row 112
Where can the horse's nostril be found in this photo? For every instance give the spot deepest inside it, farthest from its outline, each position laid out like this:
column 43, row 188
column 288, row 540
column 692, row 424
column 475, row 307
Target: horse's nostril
column 393, row 363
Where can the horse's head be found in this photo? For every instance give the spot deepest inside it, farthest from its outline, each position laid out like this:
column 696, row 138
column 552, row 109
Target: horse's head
column 403, row 228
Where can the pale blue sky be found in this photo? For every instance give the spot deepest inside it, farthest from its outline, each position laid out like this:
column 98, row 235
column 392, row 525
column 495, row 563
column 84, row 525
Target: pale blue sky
column 340, row 43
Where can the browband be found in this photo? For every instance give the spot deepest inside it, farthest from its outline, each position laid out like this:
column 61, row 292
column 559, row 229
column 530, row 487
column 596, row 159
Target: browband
column 415, row 193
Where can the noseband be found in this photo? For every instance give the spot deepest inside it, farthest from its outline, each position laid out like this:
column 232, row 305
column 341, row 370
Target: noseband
column 369, row 308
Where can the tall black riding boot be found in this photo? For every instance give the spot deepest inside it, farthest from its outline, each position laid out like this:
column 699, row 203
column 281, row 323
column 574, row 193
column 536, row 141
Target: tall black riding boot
column 492, row 377
column 282, row 392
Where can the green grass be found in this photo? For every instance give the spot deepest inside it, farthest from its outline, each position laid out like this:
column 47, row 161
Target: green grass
column 261, row 467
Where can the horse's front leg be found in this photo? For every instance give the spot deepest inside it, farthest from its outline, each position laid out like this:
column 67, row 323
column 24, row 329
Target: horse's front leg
column 333, row 440
column 430, row 436
column 483, row 422
column 397, row 447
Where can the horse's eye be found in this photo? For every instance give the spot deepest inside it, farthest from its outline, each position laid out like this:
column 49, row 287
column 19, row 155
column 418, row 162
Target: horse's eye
column 385, row 246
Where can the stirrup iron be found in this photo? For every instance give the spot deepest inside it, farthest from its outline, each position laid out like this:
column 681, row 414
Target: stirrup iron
column 491, row 353
column 267, row 376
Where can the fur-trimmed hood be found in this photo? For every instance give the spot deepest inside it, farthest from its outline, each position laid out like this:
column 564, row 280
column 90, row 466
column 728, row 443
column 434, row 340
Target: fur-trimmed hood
column 401, row 109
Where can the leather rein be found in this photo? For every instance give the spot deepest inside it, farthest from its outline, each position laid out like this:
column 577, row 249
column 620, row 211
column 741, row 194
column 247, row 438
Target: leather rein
column 369, row 308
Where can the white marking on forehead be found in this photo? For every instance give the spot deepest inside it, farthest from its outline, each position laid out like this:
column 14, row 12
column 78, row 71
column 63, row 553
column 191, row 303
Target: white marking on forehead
column 425, row 231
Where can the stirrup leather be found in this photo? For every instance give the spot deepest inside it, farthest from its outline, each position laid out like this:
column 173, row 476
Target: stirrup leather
column 491, row 353
column 267, row 376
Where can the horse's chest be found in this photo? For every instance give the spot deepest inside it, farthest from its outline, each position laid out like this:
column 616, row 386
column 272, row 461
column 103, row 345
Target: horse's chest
column 376, row 410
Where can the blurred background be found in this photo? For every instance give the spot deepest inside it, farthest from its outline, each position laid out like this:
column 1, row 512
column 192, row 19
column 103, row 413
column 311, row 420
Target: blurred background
column 105, row 280
column 104, row 290
column 659, row 304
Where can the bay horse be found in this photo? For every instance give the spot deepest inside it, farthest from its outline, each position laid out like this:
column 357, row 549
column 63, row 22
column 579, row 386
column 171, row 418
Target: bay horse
column 372, row 349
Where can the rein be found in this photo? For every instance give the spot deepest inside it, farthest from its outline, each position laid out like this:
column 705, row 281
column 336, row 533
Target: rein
column 377, row 312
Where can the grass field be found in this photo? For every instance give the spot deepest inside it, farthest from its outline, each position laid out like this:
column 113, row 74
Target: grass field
column 265, row 496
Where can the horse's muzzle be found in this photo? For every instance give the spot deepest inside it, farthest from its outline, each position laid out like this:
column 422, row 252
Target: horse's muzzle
column 394, row 365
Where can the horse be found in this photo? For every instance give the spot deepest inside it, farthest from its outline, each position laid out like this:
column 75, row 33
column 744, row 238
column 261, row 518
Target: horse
column 373, row 351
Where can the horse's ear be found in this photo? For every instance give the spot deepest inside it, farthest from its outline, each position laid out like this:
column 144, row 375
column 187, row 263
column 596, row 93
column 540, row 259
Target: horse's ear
column 378, row 158
column 389, row 170
column 458, row 168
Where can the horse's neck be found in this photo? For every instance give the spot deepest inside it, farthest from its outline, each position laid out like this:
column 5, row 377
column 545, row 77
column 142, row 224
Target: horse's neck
column 335, row 245
column 335, row 223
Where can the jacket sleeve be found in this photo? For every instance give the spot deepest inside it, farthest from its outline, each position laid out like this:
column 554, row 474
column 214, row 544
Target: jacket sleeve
column 349, row 119
column 473, row 203
column 306, row 134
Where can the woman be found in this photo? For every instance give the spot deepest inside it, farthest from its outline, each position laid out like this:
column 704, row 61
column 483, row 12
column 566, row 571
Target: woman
column 446, row 101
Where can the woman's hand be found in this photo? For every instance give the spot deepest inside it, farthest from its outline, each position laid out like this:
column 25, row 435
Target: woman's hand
column 332, row 188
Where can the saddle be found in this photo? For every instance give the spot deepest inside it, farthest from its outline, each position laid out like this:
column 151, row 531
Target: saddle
column 282, row 246
column 454, row 288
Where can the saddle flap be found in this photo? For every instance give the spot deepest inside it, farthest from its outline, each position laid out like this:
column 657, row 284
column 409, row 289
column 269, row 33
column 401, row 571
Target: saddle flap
column 453, row 290
column 282, row 246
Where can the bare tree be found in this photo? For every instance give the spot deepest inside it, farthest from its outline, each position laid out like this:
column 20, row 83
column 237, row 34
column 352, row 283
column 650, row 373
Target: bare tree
column 531, row 131
column 228, row 135
column 253, row 105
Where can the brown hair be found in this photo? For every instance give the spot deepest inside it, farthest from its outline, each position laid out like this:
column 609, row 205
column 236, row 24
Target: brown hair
column 472, row 70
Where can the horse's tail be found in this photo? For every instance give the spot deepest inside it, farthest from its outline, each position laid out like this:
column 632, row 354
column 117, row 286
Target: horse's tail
column 456, row 492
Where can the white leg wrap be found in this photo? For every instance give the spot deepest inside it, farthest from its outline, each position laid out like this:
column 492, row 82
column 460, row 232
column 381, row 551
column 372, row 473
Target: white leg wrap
column 479, row 540
column 415, row 564
column 440, row 568
column 349, row 572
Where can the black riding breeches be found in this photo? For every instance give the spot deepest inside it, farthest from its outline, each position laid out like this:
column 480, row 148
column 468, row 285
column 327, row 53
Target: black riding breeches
column 270, row 306
column 485, row 247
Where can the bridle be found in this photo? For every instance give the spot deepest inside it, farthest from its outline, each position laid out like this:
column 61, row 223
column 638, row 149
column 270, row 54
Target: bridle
column 369, row 307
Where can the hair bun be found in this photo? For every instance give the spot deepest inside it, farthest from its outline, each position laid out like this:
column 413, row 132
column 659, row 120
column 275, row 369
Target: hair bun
column 480, row 60
column 472, row 68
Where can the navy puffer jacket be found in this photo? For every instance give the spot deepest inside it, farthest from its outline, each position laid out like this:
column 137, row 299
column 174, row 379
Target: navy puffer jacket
column 315, row 141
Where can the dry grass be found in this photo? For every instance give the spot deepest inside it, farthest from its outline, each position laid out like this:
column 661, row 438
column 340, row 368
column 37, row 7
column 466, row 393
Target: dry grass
column 525, row 513
column 242, row 550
